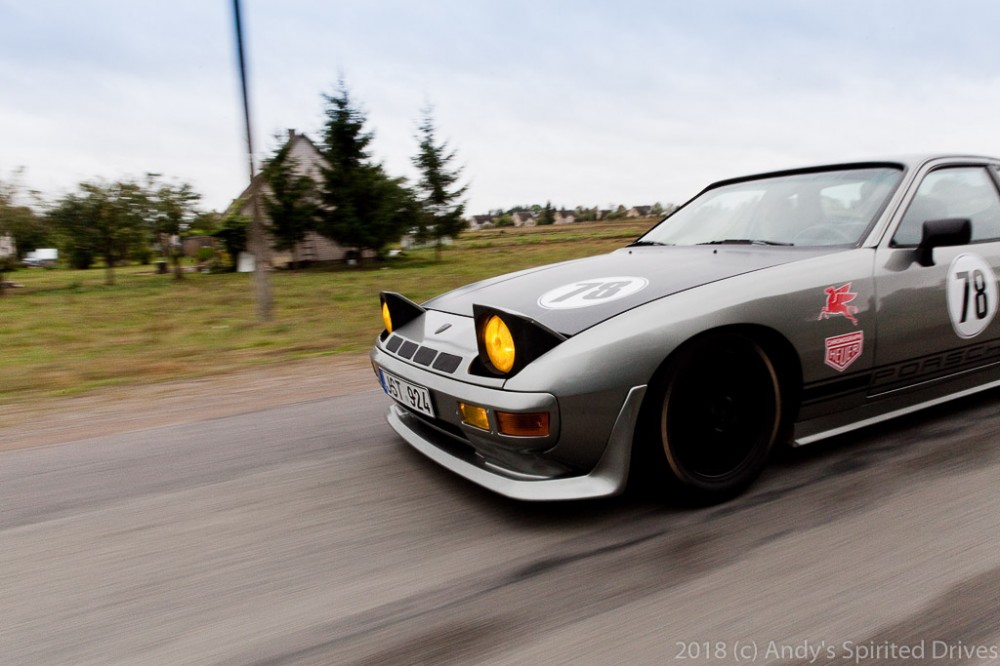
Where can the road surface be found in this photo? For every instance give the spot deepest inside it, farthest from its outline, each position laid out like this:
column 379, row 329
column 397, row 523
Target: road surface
column 308, row 533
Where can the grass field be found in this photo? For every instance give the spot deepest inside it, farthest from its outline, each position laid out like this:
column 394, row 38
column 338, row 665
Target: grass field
column 64, row 332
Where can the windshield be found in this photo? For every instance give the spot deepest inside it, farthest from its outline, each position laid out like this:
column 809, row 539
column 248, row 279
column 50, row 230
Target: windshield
column 817, row 208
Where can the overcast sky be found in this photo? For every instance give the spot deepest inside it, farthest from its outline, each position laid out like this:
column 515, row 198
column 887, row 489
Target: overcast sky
column 574, row 102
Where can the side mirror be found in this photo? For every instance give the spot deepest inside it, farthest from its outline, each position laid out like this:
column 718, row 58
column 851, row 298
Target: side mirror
column 942, row 233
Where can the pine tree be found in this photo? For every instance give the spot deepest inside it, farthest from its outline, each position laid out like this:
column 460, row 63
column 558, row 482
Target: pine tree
column 362, row 207
column 548, row 215
column 290, row 204
column 438, row 194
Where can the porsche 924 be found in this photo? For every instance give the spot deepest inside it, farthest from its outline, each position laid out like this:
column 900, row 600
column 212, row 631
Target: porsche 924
column 769, row 310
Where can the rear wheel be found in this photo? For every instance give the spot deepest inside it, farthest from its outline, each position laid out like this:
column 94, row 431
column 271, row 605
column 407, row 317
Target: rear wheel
column 713, row 417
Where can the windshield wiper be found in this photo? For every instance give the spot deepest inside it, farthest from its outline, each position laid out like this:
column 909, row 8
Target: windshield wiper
column 744, row 241
column 644, row 243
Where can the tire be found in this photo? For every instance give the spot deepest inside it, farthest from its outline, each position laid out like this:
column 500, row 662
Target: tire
column 712, row 419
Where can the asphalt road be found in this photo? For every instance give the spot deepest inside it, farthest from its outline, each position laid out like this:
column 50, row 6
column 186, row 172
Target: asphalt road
column 310, row 534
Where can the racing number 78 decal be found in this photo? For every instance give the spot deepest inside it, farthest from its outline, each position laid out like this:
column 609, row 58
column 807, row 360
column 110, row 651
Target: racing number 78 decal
column 591, row 292
column 972, row 295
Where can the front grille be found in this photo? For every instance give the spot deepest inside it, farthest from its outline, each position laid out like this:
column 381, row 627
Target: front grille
column 426, row 356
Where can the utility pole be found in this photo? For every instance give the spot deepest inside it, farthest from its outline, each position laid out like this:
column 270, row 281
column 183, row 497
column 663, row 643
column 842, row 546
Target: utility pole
column 258, row 240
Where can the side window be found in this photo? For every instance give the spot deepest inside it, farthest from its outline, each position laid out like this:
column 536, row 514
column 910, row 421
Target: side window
column 956, row 192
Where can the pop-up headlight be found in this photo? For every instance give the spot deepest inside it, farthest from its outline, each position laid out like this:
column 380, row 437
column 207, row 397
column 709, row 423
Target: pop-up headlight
column 397, row 310
column 507, row 342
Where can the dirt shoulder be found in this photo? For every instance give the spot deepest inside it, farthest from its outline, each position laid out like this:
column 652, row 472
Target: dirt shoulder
column 124, row 409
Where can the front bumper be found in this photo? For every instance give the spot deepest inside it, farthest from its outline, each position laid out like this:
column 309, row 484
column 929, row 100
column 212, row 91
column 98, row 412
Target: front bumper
column 520, row 473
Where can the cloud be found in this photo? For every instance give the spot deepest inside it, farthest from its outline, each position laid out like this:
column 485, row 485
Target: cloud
column 574, row 102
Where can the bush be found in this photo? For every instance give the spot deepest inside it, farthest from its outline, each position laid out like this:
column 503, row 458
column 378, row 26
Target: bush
column 81, row 259
column 233, row 235
column 205, row 254
column 143, row 255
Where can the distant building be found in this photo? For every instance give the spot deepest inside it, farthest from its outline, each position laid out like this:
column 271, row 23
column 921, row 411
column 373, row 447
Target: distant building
column 191, row 244
column 8, row 248
column 564, row 217
column 524, row 219
column 639, row 211
column 316, row 247
column 480, row 221
column 409, row 242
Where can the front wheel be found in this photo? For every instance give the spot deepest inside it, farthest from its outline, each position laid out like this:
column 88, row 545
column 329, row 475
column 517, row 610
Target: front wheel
column 712, row 418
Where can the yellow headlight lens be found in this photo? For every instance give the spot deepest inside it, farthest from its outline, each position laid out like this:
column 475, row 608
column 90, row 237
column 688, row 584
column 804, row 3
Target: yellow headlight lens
column 386, row 319
column 499, row 344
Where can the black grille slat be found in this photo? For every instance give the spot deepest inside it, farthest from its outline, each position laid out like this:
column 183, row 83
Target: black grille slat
column 447, row 362
column 424, row 356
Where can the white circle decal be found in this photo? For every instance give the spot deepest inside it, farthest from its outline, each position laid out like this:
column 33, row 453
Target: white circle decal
column 586, row 293
column 972, row 295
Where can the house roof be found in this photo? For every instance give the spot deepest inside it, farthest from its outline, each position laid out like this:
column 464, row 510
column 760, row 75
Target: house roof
column 293, row 137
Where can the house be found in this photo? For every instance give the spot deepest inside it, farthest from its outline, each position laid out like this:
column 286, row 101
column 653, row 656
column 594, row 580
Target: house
column 315, row 247
column 639, row 211
column 7, row 246
column 192, row 244
column 479, row 221
column 565, row 217
column 524, row 219
column 409, row 241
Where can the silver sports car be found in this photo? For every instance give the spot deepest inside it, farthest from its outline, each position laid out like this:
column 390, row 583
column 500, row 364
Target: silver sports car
column 771, row 309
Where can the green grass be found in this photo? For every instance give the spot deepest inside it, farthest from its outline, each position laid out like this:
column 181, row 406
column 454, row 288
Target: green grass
column 65, row 332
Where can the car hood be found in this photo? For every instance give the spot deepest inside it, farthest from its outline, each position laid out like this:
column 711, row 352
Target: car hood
column 572, row 296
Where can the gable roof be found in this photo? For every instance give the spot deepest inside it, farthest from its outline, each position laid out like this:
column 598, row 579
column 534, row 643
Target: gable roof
column 300, row 143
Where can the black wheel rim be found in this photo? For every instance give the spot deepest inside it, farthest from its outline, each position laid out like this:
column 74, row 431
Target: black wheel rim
column 720, row 414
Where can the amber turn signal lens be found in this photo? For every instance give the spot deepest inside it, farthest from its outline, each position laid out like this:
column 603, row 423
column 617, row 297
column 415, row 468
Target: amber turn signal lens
column 499, row 344
column 386, row 318
column 475, row 416
column 523, row 424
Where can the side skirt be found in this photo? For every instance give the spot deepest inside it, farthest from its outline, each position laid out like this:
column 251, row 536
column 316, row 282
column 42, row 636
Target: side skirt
column 885, row 407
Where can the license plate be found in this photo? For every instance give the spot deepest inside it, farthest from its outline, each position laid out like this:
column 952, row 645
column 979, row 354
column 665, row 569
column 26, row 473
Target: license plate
column 410, row 395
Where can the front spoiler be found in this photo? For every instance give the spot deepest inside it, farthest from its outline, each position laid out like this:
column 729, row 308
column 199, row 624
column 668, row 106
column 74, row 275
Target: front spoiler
column 608, row 477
